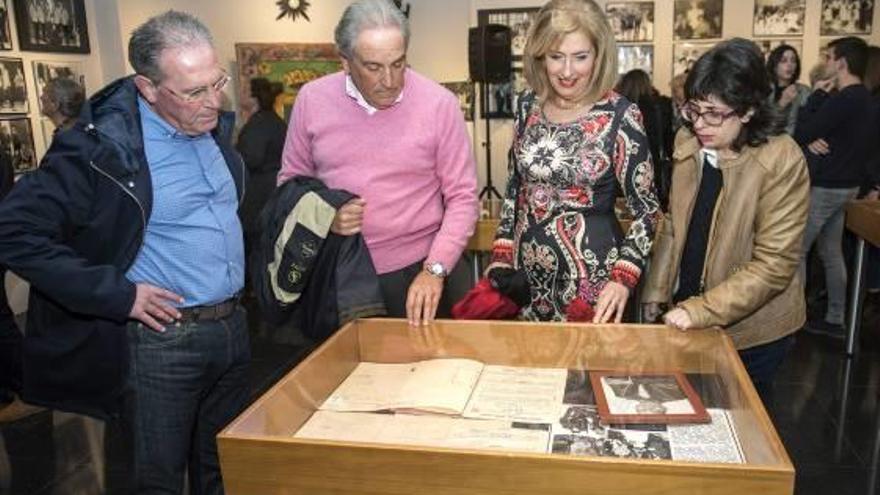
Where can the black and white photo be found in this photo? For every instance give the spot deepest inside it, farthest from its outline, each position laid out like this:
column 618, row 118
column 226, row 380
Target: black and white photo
column 698, row 19
column 631, row 57
column 646, row 398
column 13, row 91
column 17, row 143
column 779, row 17
column 5, row 32
column 52, row 25
column 464, row 91
column 684, row 55
column 631, row 21
column 579, row 432
column 45, row 71
column 519, row 21
column 839, row 17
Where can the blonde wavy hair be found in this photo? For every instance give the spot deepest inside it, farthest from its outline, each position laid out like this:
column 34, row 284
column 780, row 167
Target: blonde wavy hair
column 558, row 18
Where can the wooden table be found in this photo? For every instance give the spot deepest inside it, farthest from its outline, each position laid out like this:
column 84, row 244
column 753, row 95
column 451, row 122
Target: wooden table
column 259, row 454
column 863, row 219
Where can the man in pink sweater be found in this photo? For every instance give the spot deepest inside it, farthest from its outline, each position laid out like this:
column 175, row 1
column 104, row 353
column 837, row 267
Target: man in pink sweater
column 398, row 140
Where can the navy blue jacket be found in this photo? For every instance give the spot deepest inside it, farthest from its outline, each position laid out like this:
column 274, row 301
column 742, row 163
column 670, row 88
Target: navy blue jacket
column 72, row 228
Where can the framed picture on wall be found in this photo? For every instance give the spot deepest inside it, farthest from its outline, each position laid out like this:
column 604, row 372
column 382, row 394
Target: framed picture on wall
column 631, row 21
column 17, row 143
column 45, row 71
column 685, row 54
column 5, row 32
column 52, row 26
column 519, row 21
column 464, row 91
column 778, row 17
column 13, row 90
column 291, row 64
column 631, row 57
column 698, row 19
column 846, row 17
column 502, row 95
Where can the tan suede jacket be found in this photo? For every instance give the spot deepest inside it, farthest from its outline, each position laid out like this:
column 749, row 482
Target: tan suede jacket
column 751, row 284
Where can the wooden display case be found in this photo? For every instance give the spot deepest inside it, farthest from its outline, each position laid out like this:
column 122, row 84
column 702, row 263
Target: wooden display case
column 259, row 455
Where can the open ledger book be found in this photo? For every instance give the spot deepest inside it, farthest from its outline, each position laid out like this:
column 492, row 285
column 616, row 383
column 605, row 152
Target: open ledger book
column 456, row 387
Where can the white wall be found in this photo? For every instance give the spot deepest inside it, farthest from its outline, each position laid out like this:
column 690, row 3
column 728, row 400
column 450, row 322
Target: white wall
column 439, row 44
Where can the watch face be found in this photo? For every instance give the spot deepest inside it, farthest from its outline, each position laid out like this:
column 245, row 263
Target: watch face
column 437, row 269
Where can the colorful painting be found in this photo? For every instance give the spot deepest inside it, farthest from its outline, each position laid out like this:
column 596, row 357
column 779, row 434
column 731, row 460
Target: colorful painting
column 291, row 64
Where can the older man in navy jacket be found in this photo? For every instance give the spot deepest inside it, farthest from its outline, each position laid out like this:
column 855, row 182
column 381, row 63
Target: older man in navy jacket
column 130, row 238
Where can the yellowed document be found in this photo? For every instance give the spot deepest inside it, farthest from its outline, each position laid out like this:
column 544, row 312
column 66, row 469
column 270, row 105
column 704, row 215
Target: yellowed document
column 530, row 395
column 425, row 430
column 436, row 385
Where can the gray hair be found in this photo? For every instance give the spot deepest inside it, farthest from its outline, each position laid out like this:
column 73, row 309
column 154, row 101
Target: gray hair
column 173, row 29
column 368, row 14
column 67, row 94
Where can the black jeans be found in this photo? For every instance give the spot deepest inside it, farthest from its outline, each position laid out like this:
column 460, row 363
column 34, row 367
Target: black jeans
column 10, row 347
column 394, row 286
column 763, row 361
column 185, row 385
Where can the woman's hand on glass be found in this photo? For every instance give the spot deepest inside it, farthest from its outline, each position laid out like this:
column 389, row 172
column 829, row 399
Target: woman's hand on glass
column 611, row 303
column 678, row 318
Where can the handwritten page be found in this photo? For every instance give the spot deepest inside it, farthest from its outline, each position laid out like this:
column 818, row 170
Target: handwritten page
column 435, row 431
column 531, row 395
column 436, row 385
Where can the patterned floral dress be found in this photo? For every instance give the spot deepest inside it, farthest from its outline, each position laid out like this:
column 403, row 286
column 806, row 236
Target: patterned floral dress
column 557, row 220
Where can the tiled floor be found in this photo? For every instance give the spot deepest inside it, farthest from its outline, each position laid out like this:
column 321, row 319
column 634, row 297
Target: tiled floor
column 826, row 411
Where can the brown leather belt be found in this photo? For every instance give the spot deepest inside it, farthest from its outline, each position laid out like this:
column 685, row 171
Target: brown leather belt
column 208, row 313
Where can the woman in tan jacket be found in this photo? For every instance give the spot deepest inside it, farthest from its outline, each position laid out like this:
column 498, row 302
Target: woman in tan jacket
column 727, row 254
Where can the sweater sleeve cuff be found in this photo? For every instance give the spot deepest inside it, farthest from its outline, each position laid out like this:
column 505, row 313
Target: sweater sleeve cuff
column 502, row 251
column 626, row 273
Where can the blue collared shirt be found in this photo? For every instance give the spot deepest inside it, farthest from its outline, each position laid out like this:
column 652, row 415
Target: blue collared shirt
column 193, row 242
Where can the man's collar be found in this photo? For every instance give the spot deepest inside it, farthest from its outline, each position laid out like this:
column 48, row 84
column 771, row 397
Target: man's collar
column 352, row 91
column 153, row 118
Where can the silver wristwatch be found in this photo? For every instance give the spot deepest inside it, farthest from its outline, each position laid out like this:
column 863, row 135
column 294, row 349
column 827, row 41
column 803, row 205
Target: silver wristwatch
column 436, row 269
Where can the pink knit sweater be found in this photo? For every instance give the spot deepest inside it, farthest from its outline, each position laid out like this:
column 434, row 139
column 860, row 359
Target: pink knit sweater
column 412, row 164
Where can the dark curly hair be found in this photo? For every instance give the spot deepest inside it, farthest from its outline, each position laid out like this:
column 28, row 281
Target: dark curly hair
column 773, row 60
column 733, row 72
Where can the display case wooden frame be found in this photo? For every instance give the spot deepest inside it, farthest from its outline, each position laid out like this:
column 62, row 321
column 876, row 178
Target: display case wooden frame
column 258, row 453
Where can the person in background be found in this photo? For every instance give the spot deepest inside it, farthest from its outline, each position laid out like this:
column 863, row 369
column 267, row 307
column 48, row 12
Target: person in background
column 784, row 68
column 398, row 140
column 576, row 143
column 871, row 188
column 677, row 90
column 10, row 336
column 837, row 132
column 738, row 176
column 657, row 115
column 260, row 142
column 129, row 236
column 61, row 101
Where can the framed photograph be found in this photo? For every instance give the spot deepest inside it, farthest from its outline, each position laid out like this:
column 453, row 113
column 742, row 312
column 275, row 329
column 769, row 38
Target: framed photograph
column 631, row 57
column 291, row 64
column 519, row 21
column 646, row 398
column 464, row 90
column 52, row 26
column 698, row 19
column 841, row 17
column 685, row 54
column 13, row 91
column 45, row 71
column 17, row 143
column 5, row 32
column 779, row 17
column 631, row 21
column 767, row 46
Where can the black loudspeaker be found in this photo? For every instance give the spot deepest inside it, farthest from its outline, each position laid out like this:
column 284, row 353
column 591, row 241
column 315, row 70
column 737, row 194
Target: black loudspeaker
column 489, row 54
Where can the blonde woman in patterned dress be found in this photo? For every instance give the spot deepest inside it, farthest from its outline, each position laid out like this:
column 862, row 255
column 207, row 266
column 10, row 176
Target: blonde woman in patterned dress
column 577, row 143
